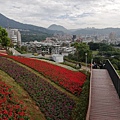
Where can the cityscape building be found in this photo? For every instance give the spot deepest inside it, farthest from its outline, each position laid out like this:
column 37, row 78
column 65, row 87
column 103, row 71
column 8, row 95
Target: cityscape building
column 15, row 36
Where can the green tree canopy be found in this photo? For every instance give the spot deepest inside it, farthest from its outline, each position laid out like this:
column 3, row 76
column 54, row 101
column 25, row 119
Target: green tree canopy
column 81, row 50
column 106, row 47
column 4, row 40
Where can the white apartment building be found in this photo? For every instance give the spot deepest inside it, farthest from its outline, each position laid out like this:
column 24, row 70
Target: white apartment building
column 15, row 36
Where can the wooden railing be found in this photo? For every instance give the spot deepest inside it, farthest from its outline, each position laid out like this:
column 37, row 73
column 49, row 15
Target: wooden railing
column 115, row 78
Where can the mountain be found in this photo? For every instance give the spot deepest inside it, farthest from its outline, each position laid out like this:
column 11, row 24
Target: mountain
column 31, row 32
column 6, row 22
column 95, row 31
column 28, row 32
column 86, row 31
column 58, row 28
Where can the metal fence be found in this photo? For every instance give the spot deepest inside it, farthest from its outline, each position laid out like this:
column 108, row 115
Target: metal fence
column 114, row 76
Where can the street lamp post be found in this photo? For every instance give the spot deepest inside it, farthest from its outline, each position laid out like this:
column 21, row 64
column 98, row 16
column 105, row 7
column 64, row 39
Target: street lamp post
column 86, row 62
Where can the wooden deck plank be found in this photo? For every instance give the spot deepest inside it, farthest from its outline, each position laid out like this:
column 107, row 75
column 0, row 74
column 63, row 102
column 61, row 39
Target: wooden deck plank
column 105, row 103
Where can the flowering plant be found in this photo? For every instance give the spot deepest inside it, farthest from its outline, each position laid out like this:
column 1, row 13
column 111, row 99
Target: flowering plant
column 55, row 104
column 10, row 108
column 70, row 80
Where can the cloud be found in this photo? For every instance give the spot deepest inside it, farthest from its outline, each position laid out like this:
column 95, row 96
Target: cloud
column 69, row 13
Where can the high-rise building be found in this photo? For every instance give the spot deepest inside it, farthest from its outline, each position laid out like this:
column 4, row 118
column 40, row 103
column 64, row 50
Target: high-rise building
column 112, row 37
column 74, row 37
column 15, row 36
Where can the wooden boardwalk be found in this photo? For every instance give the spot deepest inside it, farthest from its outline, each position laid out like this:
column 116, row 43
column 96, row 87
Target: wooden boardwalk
column 104, row 101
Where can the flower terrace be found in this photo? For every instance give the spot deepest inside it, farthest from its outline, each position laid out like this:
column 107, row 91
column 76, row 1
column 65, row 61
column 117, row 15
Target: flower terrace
column 70, row 80
column 55, row 104
column 10, row 108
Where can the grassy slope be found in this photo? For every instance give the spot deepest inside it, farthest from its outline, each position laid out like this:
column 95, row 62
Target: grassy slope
column 32, row 110
column 55, row 85
column 118, row 71
column 95, row 52
column 62, row 65
column 82, row 102
column 81, row 109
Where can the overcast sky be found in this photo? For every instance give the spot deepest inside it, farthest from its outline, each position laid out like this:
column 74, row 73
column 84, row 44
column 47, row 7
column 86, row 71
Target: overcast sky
column 71, row 14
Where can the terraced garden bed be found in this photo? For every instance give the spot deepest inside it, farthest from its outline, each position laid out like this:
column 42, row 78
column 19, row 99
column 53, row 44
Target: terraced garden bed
column 70, row 80
column 10, row 107
column 53, row 103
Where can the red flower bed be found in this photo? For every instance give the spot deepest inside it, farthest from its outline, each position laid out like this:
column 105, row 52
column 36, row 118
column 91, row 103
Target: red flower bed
column 70, row 80
column 10, row 108
column 55, row 104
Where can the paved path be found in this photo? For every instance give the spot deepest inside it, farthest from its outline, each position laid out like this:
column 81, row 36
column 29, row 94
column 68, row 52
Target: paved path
column 15, row 52
column 105, row 103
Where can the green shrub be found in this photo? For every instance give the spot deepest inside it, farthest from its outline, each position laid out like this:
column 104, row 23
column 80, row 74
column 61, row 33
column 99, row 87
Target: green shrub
column 82, row 105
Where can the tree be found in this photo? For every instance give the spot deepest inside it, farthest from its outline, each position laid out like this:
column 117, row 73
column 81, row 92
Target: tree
column 94, row 46
column 106, row 47
column 81, row 50
column 4, row 40
column 24, row 48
